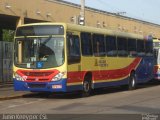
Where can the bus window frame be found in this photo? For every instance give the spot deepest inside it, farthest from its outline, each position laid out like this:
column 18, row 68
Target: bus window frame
column 108, row 51
column 82, row 35
column 149, row 51
column 73, row 59
column 100, row 50
column 121, row 51
column 132, row 51
column 142, row 52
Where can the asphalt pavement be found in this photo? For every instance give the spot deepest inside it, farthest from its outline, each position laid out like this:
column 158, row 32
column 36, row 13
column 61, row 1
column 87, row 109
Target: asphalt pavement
column 7, row 91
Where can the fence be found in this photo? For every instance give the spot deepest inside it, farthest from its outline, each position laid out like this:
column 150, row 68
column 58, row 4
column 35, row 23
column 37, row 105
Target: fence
column 6, row 55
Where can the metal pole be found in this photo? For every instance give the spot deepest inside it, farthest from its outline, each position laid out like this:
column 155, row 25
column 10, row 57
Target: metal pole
column 82, row 13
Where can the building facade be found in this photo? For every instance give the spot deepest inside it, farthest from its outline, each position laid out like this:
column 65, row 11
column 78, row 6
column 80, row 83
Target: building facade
column 13, row 13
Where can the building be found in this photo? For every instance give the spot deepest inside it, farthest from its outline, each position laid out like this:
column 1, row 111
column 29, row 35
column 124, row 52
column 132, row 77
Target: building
column 13, row 13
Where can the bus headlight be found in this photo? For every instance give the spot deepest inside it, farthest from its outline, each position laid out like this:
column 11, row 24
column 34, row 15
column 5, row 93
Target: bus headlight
column 18, row 77
column 58, row 76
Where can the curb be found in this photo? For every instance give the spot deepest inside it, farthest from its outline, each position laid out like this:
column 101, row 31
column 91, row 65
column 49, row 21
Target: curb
column 11, row 97
column 14, row 96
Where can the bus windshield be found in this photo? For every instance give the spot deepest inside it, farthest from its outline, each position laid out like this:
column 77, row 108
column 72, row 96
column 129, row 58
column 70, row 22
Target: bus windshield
column 39, row 52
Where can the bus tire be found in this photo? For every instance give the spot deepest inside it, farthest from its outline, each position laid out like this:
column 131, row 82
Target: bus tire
column 87, row 87
column 132, row 82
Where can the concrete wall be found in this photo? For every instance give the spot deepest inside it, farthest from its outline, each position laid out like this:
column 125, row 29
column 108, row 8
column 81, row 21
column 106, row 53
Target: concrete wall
column 56, row 11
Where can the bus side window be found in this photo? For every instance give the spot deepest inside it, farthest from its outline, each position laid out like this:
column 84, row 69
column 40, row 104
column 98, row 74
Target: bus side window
column 73, row 46
column 98, row 45
column 140, row 47
column 122, row 46
column 156, row 54
column 149, row 48
column 111, row 47
column 132, row 47
column 86, row 44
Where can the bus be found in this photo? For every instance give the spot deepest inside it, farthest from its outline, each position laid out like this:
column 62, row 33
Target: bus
column 63, row 57
column 156, row 47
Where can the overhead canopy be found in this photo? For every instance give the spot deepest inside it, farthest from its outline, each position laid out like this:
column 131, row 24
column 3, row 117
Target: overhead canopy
column 8, row 22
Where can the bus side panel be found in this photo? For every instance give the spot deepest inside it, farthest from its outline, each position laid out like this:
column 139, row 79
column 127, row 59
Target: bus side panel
column 74, row 78
column 119, row 74
column 144, row 71
column 104, row 78
column 109, row 73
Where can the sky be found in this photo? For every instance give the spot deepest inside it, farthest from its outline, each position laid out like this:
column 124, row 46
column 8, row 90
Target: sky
column 147, row 10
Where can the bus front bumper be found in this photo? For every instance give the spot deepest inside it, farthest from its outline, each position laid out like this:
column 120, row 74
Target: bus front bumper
column 58, row 86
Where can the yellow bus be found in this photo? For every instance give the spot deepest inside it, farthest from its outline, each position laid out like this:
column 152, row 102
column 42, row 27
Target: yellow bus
column 156, row 47
column 62, row 57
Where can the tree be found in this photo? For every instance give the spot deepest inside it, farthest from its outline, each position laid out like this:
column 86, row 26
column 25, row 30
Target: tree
column 8, row 35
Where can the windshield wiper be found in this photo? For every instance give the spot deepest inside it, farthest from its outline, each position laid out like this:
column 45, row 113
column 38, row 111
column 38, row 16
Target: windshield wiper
column 45, row 41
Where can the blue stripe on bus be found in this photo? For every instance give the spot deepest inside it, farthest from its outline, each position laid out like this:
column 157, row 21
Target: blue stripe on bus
column 114, row 83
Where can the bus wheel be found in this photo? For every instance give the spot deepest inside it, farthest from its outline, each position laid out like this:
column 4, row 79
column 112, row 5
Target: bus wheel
column 132, row 82
column 86, row 87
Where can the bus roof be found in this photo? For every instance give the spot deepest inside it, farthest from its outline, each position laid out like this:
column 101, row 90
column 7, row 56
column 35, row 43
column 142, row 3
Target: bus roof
column 104, row 31
column 91, row 29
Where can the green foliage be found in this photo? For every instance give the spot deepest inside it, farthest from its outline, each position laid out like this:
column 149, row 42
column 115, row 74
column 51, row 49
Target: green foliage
column 8, row 35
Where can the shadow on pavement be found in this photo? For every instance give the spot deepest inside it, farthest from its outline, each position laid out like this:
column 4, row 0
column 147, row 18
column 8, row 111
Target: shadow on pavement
column 101, row 91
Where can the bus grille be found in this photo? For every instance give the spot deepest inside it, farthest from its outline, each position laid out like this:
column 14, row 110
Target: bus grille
column 39, row 79
column 35, row 74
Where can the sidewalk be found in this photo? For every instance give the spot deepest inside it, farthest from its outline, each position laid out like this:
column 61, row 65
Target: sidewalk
column 7, row 92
